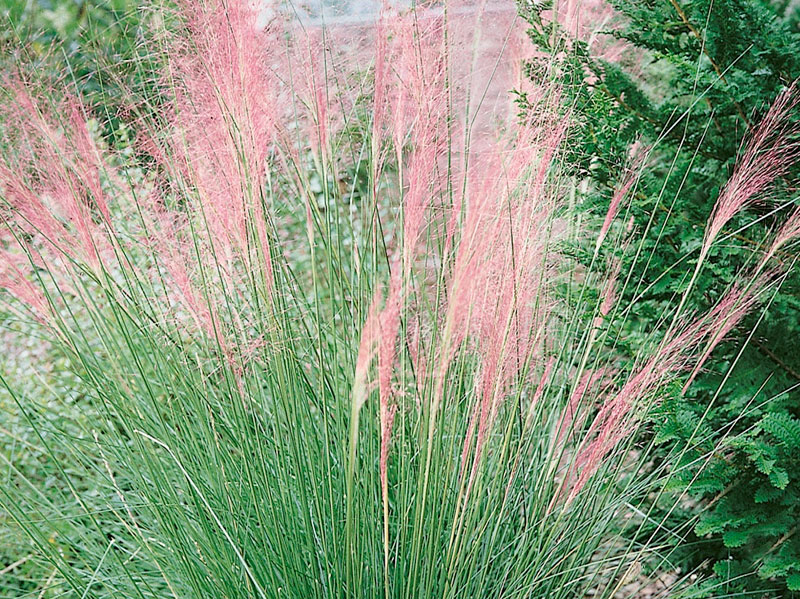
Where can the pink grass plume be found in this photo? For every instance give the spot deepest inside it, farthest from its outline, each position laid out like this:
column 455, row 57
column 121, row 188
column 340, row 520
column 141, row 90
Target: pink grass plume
column 769, row 154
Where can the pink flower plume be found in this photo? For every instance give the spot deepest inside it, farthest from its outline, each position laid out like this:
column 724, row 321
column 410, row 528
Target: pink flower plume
column 771, row 151
column 631, row 178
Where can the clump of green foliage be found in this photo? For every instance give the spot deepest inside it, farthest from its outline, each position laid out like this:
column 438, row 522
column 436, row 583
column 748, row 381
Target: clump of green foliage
column 689, row 79
column 102, row 48
column 89, row 46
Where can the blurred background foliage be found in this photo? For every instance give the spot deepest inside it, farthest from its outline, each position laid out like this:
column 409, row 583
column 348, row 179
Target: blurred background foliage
column 689, row 79
column 105, row 48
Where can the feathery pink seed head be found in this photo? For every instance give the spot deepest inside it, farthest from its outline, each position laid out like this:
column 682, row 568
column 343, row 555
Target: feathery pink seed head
column 770, row 152
column 388, row 322
column 675, row 356
column 788, row 232
column 223, row 123
column 14, row 280
column 639, row 155
column 727, row 314
column 609, row 293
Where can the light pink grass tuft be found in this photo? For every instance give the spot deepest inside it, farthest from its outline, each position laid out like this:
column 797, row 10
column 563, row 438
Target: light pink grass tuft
column 13, row 279
column 54, row 187
column 609, row 292
column 787, row 233
column 639, row 155
column 687, row 349
column 389, row 322
column 370, row 334
column 727, row 314
column 225, row 109
column 499, row 265
column 768, row 156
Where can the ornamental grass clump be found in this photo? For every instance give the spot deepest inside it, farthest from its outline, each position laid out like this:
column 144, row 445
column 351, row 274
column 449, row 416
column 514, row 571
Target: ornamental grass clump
column 323, row 316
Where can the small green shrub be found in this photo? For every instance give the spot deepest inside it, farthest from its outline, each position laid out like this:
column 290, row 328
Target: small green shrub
column 689, row 78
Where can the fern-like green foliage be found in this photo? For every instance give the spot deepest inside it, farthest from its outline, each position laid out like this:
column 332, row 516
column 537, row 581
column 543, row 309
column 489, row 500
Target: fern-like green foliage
column 755, row 486
column 691, row 80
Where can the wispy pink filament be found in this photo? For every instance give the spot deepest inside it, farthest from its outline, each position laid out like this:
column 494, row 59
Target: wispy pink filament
column 769, row 154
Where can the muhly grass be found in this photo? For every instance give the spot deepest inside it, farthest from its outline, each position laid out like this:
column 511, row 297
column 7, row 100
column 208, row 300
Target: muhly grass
column 323, row 315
